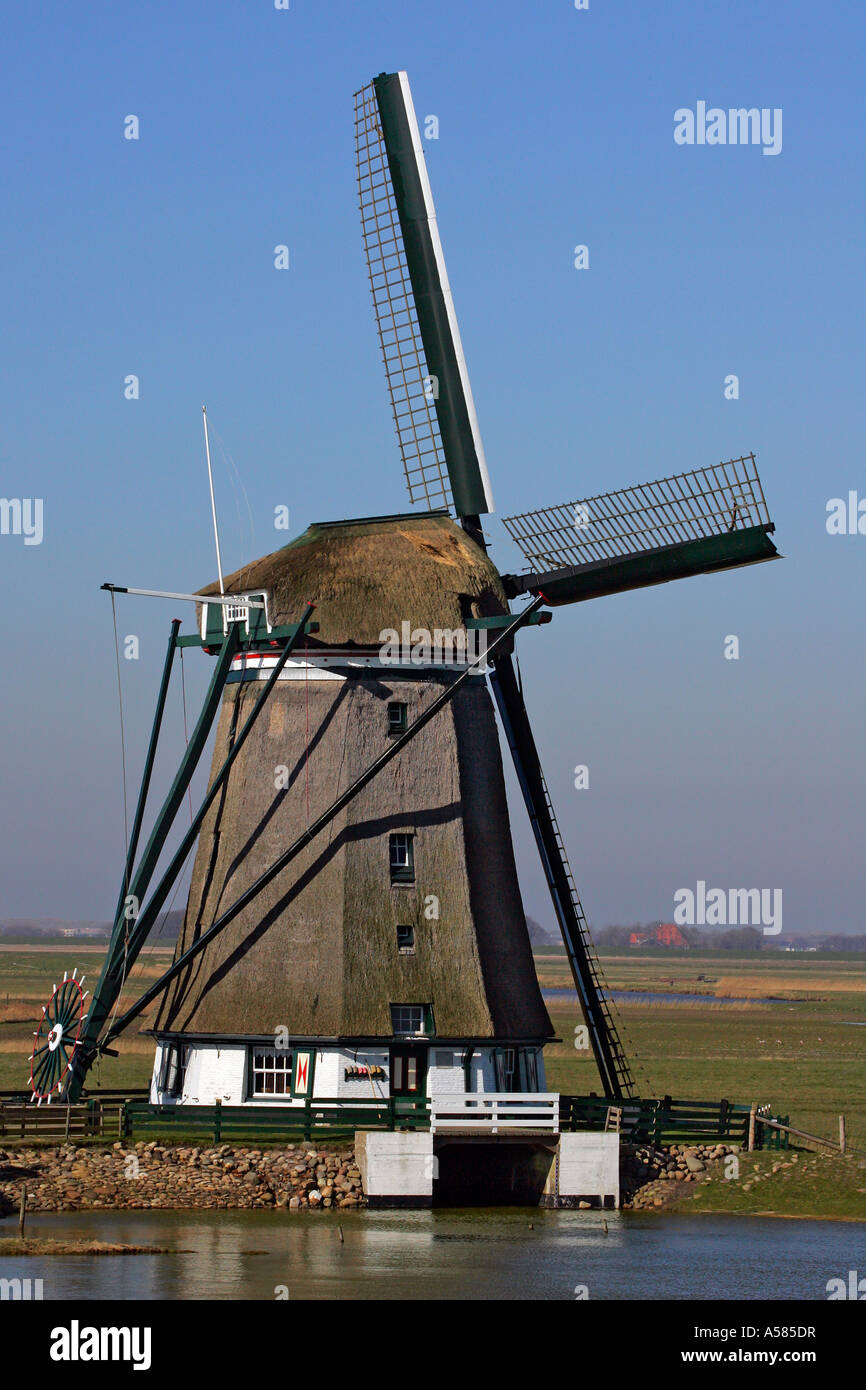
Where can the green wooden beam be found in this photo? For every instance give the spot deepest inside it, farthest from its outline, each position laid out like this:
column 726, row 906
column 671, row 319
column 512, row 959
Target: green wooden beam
column 576, row 583
column 276, row 634
column 432, row 297
column 148, row 767
column 503, row 619
column 117, row 962
column 141, row 927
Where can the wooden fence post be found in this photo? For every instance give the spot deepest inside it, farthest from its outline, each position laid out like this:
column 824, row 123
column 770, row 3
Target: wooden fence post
column 753, row 1115
column 841, row 1134
column 22, row 1210
column 217, row 1121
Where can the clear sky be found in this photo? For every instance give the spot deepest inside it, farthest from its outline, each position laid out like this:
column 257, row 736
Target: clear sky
column 155, row 257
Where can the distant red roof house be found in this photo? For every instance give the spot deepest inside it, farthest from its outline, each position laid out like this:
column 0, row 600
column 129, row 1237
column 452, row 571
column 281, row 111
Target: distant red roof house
column 669, row 934
column 666, row 934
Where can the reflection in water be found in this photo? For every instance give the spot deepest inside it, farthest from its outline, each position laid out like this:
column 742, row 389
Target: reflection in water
column 514, row 1253
column 643, row 996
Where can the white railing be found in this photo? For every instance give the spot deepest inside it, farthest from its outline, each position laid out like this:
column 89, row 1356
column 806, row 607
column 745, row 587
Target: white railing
column 493, row 1112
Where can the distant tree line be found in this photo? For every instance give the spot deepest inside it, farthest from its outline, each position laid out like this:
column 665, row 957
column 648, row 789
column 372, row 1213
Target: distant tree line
column 731, row 939
column 838, row 943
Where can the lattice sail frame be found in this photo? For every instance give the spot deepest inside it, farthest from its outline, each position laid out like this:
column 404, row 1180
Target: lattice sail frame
column 409, row 383
column 685, row 507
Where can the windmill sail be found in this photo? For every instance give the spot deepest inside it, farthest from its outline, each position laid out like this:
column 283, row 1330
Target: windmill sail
column 431, row 398
column 691, row 523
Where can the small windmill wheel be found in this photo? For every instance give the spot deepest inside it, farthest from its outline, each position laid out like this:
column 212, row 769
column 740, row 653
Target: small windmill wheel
column 56, row 1038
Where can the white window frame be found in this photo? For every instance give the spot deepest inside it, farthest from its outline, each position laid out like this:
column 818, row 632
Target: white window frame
column 401, row 872
column 401, row 709
column 530, row 1057
column 399, row 1010
column 501, row 1059
column 285, row 1057
column 175, row 1061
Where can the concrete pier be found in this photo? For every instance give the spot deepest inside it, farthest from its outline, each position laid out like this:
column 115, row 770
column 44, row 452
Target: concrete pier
column 420, row 1169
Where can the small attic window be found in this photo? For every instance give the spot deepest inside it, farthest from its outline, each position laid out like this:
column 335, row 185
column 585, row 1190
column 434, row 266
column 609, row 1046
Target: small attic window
column 397, row 712
column 412, row 1020
column 406, row 940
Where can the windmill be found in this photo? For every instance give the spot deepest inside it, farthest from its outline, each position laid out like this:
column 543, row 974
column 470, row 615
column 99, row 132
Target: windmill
column 354, row 920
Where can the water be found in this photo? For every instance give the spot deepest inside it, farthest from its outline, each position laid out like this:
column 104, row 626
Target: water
column 469, row 1254
column 639, row 996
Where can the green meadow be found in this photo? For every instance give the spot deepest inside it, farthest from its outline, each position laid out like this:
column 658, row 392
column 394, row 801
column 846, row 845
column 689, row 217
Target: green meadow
column 803, row 1054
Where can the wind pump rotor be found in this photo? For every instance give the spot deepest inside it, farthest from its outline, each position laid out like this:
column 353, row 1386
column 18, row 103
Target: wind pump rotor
column 56, row 1039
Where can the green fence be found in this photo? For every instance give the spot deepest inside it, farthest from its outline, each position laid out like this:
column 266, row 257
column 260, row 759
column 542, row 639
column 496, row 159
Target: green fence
column 100, row 1116
column 305, row 1120
column 765, row 1136
column 129, row 1115
column 669, row 1121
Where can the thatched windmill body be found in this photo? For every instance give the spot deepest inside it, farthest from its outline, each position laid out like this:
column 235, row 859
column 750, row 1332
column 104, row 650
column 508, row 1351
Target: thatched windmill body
column 354, row 922
column 394, row 955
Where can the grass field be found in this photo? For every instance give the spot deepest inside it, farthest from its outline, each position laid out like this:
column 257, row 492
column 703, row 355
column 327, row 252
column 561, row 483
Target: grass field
column 27, row 975
column 802, row 1054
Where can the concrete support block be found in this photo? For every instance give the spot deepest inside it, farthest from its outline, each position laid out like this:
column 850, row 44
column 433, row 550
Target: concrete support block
column 397, row 1169
column 586, row 1169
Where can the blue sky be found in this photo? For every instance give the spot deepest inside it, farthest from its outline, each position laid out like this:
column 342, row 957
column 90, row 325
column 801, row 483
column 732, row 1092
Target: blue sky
column 155, row 257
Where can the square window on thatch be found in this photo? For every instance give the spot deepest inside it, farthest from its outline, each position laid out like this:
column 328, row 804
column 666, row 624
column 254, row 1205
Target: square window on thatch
column 402, row 858
column 397, row 717
column 406, row 940
column 411, row 1020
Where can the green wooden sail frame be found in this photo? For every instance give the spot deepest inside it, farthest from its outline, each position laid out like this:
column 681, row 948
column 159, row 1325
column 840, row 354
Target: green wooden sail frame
column 691, row 523
column 431, row 397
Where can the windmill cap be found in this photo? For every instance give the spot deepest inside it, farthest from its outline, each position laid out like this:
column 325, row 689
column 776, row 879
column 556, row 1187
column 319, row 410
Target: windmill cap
column 371, row 574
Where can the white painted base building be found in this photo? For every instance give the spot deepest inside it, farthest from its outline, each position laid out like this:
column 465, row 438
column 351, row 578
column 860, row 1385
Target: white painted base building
column 240, row 1072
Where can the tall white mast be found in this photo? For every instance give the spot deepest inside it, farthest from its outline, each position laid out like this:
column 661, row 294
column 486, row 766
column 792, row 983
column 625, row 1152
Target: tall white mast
column 216, row 534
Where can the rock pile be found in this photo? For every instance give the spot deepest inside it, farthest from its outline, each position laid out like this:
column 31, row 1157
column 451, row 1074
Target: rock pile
column 75, row 1178
column 649, row 1177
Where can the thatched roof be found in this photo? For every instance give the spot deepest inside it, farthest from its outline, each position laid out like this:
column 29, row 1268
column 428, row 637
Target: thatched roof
column 366, row 576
